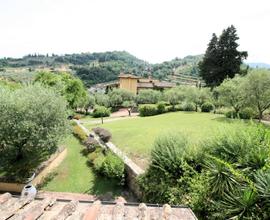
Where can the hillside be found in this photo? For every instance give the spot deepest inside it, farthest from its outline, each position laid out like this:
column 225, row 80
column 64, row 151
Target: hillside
column 95, row 68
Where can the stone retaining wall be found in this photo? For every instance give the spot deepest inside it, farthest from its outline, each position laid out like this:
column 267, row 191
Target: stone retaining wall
column 132, row 169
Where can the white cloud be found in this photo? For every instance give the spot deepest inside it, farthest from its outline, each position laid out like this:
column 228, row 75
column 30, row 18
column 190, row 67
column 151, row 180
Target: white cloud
column 154, row 30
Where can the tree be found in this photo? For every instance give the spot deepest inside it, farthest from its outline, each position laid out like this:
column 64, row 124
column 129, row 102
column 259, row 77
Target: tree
column 148, row 96
column 257, row 90
column 129, row 105
column 33, row 119
column 100, row 112
column 222, row 59
column 198, row 96
column 231, row 93
column 175, row 95
column 70, row 87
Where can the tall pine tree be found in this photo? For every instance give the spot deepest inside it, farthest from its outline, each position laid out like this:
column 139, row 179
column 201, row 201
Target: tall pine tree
column 222, row 59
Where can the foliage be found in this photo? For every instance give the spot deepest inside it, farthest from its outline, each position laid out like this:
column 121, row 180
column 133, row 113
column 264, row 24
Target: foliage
column 247, row 113
column 65, row 84
column 90, row 144
column 175, row 95
column 169, row 167
column 113, row 167
column 129, row 105
column 102, row 99
column 228, row 176
column 161, row 107
column 33, row 119
column 148, row 96
column 188, row 107
column 101, row 111
column 207, row 107
column 231, row 93
column 257, row 90
column 104, row 134
column 148, row 110
column 79, row 133
column 221, row 59
column 231, row 114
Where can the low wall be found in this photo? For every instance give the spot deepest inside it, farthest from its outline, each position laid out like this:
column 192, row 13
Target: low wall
column 53, row 162
column 132, row 169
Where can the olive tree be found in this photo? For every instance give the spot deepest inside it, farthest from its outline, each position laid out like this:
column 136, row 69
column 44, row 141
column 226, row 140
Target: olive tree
column 175, row 95
column 148, row 96
column 32, row 120
column 231, row 93
column 257, row 90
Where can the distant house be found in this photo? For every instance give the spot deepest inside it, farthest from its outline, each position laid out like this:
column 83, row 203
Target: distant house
column 134, row 84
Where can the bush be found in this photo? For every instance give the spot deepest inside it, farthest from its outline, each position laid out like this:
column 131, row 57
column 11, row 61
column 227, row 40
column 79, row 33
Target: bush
column 207, row 107
column 79, row 133
column 98, row 163
column 221, row 110
column 231, row 114
column 161, row 107
column 113, row 167
column 91, row 144
column 188, row 107
column 247, row 113
column 169, row 108
column 148, row 110
column 108, row 164
column 104, row 134
column 101, row 111
column 33, row 120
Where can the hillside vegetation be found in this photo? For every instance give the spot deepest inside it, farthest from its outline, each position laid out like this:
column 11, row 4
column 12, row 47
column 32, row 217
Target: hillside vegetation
column 95, row 68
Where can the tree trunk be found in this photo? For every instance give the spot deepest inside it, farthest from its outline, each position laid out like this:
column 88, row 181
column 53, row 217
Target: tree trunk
column 129, row 112
column 260, row 116
column 101, row 120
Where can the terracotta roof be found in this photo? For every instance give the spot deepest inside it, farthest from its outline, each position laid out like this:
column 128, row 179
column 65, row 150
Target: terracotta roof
column 164, row 84
column 145, row 85
column 43, row 208
column 122, row 75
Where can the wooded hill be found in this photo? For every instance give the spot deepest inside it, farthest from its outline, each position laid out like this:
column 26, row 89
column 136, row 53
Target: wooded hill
column 95, row 68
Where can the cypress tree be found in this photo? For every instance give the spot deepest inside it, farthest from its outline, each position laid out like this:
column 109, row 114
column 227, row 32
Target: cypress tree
column 222, row 59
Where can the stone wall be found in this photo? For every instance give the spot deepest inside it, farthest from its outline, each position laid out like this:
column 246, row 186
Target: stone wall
column 132, row 169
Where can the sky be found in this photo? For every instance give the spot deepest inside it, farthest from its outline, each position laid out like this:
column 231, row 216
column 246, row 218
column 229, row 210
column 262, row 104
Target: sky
column 152, row 30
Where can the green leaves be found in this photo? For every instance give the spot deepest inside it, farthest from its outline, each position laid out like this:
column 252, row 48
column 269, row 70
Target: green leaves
column 32, row 120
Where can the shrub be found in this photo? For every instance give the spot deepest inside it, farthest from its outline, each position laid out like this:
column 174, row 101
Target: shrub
column 101, row 111
column 33, row 120
column 231, row 114
column 91, row 144
column 104, row 134
column 170, row 169
column 148, row 110
column 79, row 133
column 98, row 163
column 188, row 107
column 161, row 107
column 221, row 110
column 113, row 167
column 247, row 113
column 207, row 107
column 169, row 108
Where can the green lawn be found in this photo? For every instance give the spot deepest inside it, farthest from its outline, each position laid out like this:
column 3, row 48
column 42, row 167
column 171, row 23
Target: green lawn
column 74, row 175
column 136, row 136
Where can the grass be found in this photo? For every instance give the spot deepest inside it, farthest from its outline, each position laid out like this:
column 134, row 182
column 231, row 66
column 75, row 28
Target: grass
column 74, row 175
column 136, row 136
